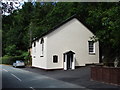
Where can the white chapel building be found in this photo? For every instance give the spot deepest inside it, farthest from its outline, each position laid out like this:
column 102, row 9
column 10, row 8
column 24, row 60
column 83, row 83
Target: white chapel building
column 65, row 47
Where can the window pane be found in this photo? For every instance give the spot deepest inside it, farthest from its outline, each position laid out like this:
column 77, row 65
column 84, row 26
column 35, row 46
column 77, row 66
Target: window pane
column 42, row 46
column 55, row 58
column 90, row 49
column 34, row 44
column 91, row 46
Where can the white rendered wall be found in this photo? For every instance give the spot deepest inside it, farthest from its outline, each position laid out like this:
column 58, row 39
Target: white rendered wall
column 72, row 36
column 39, row 61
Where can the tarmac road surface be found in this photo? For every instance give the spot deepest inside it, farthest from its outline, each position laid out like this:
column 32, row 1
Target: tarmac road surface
column 18, row 78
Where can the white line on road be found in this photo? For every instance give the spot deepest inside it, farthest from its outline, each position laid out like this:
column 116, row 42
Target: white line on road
column 16, row 77
column 32, row 88
column 5, row 70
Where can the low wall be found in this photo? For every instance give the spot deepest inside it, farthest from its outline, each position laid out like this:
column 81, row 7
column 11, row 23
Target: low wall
column 106, row 74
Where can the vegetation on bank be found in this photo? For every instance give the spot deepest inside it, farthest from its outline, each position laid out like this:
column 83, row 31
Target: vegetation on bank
column 23, row 25
column 8, row 59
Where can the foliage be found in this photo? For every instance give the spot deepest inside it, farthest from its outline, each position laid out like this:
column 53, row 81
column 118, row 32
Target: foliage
column 32, row 21
column 9, row 6
column 25, row 55
column 10, row 50
column 9, row 59
column 5, row 60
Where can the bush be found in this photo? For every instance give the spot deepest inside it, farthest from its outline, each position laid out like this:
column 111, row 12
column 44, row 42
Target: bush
column 26, row 57
column 9, row 59
column 110, row 61
column 6, row 59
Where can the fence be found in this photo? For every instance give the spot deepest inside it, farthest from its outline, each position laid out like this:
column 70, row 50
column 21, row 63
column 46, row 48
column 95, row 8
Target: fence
column 106, row 74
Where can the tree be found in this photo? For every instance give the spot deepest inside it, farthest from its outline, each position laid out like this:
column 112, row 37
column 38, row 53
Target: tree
column 102, row 19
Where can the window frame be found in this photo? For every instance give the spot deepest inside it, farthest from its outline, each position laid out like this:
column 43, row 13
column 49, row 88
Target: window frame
column 34, row 45
column 55, row 59
column 91, row 47
column 42, row 47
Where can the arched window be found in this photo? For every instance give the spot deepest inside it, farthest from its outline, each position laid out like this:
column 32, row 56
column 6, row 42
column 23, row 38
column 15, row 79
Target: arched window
column 42, row 46
column 34, row 46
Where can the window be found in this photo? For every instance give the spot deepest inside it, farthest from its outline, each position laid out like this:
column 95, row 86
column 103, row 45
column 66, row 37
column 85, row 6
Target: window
column 34, row 44
column 34, row 47
column 91, row 47
column 42, row 46
column 55, row 58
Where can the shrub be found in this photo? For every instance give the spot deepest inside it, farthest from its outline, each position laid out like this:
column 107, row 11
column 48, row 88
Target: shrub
column 26, row 57
column 9, row 59
column 6, row 59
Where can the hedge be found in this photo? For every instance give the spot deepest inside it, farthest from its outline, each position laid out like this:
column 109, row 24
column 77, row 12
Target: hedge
column 9, row 59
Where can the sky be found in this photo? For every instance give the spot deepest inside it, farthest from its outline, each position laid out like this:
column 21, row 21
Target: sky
column 19, row 3
column 16, row 3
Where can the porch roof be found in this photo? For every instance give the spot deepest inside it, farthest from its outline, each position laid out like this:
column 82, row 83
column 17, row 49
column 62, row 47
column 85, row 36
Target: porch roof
column 69, row 52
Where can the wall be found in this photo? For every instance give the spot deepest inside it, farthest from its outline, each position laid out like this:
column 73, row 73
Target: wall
column 72, row 36
column 39, row 61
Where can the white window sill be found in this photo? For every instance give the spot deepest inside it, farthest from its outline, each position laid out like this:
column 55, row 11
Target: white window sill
column 92, row 53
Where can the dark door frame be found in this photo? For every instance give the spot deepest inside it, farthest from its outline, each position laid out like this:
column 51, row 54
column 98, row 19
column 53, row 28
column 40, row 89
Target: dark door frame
column 69, row 60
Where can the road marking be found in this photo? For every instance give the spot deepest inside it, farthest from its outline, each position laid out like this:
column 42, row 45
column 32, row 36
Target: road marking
column 5, row 70
column 32, row 88
column 16, row 77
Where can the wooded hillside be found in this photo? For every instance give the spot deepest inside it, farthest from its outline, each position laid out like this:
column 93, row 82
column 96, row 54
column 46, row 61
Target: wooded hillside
column 23, row 25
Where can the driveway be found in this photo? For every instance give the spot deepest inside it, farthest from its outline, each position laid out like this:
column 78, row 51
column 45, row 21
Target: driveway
column 79, row 76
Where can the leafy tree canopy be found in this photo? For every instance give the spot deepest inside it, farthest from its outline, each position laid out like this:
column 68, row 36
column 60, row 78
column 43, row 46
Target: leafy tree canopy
column 33, row 20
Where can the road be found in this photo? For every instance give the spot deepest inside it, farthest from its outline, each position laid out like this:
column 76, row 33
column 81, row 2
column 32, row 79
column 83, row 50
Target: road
column 80, row 76
column 18, row 78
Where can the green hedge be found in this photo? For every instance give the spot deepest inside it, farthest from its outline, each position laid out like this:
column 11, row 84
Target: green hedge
column 9, row 59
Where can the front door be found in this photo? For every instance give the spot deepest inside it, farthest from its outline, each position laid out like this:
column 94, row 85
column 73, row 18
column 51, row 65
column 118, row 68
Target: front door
column 69, row 61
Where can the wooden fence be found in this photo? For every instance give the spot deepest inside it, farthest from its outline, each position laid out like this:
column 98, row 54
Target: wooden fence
column 106, row 74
